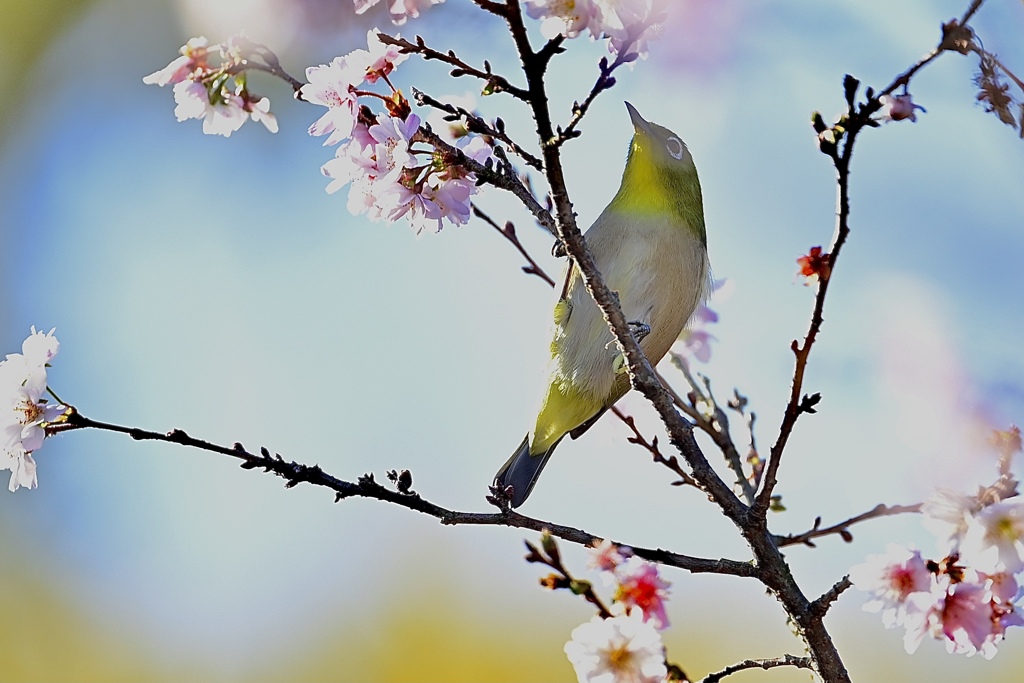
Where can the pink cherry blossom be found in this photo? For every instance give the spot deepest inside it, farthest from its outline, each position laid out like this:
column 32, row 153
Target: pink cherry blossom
column 333, row 86
column 641, row 586
column 994, row 539
column 381, row 58
column 899, row 107
column 891, row 578
column 606, row 556
column 193, row 57
column 401, row 10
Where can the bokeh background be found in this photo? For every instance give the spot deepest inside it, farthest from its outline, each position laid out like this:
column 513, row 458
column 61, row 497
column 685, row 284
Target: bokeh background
column 211, row 284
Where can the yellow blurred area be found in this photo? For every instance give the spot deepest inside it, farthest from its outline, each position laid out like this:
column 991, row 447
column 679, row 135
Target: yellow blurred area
column 27, row 30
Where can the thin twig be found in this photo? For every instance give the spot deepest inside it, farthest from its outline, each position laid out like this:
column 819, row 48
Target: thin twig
column 716, row 426
column 843, row 528
column 821, row 605
column 857, row 120
column 500, row 175
column 549, row 555
column 509, row 233
column 495, row 83
column 672, row 462
column 476, row 124
column 784, row 660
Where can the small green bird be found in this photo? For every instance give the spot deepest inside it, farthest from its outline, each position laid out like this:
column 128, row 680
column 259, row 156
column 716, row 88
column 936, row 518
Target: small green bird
column 651, row 247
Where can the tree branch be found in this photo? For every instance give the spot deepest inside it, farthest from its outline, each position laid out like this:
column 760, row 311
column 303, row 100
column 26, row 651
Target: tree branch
column 366, row 486
column 476, row 124
column 509, row 233
column 842, row 528
column 494, row 82
column 784, row 660
column 855, row 120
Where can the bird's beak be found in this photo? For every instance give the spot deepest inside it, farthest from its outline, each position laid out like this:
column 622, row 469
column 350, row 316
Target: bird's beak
column 639, row 124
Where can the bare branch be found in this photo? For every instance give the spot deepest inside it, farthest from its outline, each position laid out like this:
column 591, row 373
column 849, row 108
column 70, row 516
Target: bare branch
column 672, row 462
column 855, row 120
column 366, row 486
column 475, row 124
column 843, row 528
column 784, row 660
column 821, row 605
column 493, row 82
column 509, row 233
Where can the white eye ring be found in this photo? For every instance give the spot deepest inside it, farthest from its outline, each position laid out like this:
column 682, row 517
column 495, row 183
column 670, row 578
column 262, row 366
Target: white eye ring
column 674, row 146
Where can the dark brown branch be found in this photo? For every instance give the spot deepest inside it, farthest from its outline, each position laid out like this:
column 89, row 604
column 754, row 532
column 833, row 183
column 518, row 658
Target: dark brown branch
column 821, row 605
column 494, row 82
column 509, row 233
column 672, row 462
column 295, row 473
column 475, row 124
column 784, row 660
column 843, row 528
column 716, row 426
column 857, row 119
column 549, row 555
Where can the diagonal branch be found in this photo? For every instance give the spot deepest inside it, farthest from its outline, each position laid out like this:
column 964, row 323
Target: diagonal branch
column 493, row 82
column 856, row 120
column 843, row 528
column 476, row 124
column 509, row 233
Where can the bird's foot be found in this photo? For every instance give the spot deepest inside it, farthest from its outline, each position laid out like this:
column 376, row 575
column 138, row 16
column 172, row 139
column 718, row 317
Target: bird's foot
column 639, row 330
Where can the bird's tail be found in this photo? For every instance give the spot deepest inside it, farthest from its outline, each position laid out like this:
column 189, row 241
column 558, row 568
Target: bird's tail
column 522, row 470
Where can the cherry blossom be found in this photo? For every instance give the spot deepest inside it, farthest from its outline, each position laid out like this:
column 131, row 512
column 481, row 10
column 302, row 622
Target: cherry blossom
column 193, row 57
column 946, row 514
column 333, row 86
column 994, row 539
column 606, row 556
column 814, row 266
column 620, row 649
column 891, row 579
column 401, row 10
column 565, row 17
column 24, row 412
column 899, row 107
column 641, row 586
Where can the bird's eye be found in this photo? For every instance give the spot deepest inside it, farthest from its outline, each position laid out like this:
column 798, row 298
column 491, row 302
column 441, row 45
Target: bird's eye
column 674, row 146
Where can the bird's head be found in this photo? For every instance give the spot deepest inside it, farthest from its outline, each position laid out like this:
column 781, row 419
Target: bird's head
column 657, row 146
column 660, row 178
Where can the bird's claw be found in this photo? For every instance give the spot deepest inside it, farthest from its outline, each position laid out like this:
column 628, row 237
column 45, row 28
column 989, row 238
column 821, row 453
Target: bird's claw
column 639, row 330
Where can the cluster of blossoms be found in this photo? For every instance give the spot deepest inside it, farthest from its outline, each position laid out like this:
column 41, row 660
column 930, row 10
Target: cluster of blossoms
column 625, row 646
column 24, row 412
column 401, row 10
column 969, row 597
column 215, row 93
column 627, row 24
column 695, row 338
column 375, row 153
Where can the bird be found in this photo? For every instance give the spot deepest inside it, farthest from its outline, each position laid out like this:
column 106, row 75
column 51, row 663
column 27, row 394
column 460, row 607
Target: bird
column 650, row 246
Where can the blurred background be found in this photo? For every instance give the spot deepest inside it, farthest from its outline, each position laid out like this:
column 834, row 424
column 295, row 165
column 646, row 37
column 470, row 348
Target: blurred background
column 210, row 284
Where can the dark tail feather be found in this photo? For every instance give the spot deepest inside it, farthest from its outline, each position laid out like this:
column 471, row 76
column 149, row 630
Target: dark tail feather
column 522, row 471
